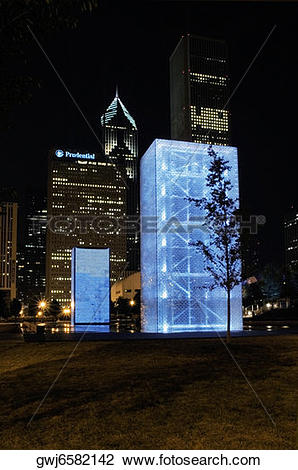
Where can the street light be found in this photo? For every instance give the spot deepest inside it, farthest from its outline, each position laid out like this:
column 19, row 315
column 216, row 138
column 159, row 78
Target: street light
column 132, row 302
column 42, row 304
column 66, row 311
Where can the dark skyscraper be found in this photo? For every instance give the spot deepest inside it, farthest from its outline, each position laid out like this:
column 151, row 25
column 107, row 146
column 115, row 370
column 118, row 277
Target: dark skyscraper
column 8, row 243
column 291, row 239
column 199, row 91
column 251, row 247
column 32, row 256
column 120, row 140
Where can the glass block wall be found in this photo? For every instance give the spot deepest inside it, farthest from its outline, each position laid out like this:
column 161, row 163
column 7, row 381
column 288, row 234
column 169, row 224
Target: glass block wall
column 172, row 271
column 90, row 286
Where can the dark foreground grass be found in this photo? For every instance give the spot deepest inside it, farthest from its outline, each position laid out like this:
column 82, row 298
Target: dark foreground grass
column 161, row 394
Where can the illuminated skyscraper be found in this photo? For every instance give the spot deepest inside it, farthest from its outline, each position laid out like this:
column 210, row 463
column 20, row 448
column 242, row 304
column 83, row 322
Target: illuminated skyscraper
column 8, row 245
column 199, row 91
column 120, row 140
column 86, row 197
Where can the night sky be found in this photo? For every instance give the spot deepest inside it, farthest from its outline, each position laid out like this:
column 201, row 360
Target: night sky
column 129, row 44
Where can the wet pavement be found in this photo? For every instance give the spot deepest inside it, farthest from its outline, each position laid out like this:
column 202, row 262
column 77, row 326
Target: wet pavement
column 65, row 332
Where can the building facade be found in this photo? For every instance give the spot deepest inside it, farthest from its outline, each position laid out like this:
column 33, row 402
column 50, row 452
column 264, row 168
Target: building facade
column 291, row 240
column 175, row 294
column 120, row 140
column 127, row 287
column 8, row 249
column 251, row 249
column 199, row 84
column 86, row 203
column 32, row 256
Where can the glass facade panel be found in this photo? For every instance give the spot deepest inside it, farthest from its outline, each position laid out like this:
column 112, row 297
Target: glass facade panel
column 173, row 278
column 90, row 285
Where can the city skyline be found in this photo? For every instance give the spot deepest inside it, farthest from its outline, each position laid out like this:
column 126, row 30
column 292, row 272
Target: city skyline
column 259, row 106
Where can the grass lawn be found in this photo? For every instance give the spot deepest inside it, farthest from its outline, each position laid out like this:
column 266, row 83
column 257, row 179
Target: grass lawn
column 161, row 394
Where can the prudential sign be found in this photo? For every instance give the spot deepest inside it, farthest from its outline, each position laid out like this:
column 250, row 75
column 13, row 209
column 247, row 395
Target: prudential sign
column 64, row 153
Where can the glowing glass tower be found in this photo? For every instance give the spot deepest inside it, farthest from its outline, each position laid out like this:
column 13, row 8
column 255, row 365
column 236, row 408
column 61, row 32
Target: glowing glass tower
column 172, row 271
column 199, row 91
column 120, row 137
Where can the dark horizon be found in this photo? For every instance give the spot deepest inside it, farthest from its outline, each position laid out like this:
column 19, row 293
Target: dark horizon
column 129, row 46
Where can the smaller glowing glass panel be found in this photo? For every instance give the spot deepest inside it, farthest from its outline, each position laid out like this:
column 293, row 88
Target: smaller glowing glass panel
column 90, row 286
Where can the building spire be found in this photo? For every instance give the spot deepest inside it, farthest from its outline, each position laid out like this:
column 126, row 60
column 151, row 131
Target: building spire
column 113, row 109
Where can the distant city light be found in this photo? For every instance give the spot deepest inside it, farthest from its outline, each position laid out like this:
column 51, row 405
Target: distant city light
column 42, row 304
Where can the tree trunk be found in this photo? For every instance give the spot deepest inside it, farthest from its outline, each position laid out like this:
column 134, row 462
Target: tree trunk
column 229, row 317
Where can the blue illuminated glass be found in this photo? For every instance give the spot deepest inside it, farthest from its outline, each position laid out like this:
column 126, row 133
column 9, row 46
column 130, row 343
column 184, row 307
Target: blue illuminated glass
column 173, row 277
column 90, row 285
